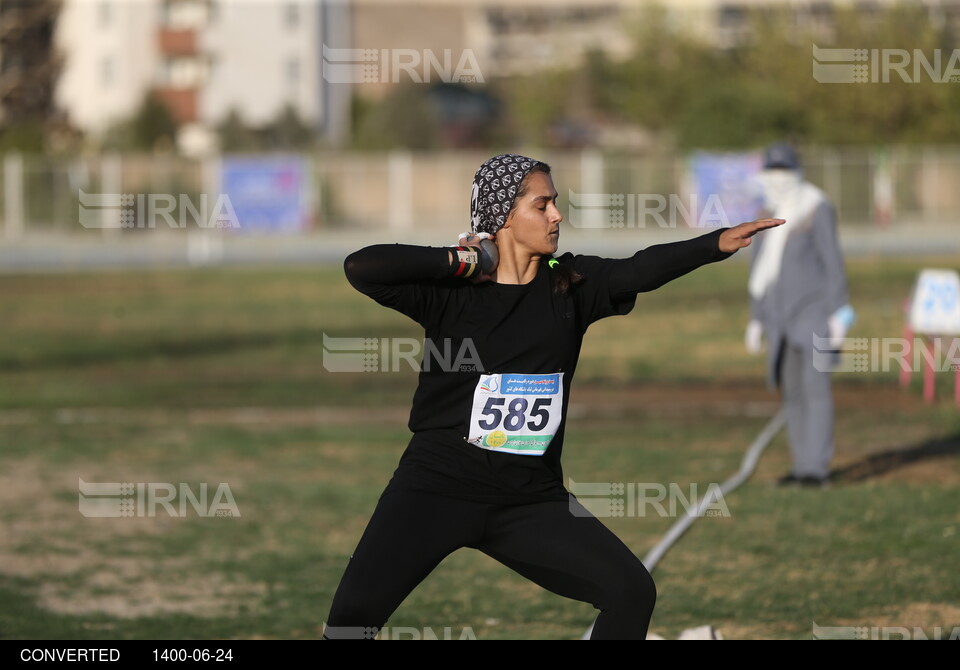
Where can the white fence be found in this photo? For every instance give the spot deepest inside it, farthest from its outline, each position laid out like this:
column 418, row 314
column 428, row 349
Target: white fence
column 916, row 188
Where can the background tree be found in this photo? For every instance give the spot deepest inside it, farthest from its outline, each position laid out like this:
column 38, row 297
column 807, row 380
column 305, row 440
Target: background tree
column 29, row 67
column 151, row 128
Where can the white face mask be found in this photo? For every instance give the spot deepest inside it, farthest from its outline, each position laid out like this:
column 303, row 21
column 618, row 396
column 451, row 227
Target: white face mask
column 776, row 185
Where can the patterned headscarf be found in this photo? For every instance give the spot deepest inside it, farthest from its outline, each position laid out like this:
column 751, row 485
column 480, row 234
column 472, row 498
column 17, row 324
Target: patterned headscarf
column 495, row 187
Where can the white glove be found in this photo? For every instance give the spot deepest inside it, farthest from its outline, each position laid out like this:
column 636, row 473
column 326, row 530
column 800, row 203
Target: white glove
column 839, row 324
column 752, row 338
column 468, row 236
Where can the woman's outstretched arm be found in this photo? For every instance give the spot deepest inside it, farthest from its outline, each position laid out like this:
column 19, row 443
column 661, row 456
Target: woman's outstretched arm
column 654, row 266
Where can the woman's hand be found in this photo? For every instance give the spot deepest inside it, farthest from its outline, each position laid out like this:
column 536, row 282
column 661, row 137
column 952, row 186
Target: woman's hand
column 488, row 246
column 738, row 237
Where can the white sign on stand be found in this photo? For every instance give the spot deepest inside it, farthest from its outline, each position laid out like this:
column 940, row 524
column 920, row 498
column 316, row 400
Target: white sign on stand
column 935, row 305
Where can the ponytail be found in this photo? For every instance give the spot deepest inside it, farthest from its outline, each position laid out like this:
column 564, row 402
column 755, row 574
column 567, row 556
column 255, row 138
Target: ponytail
column 564, row 278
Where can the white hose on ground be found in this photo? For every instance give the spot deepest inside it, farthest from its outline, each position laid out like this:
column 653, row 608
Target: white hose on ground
column 747, row 466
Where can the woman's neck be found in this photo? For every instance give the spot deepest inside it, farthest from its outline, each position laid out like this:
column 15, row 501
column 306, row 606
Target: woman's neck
column 517, row 266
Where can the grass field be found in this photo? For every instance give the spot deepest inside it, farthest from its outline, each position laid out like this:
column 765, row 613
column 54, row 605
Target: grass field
column 216, row 376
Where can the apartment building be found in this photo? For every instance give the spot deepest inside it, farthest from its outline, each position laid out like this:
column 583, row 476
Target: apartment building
column 203, row 58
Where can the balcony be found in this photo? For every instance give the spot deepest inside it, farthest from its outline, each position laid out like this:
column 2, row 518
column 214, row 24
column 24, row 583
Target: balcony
column 177, row 42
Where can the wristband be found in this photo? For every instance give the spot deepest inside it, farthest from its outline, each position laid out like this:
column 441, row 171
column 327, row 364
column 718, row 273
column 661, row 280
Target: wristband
column 465, row 261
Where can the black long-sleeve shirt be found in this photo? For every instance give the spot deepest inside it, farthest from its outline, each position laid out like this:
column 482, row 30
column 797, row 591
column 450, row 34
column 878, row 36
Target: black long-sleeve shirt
column 489, row 411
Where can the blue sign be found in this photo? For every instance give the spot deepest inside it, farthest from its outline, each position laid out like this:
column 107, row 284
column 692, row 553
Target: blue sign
column 531, row 384
column 268, row 194
column 726, row 186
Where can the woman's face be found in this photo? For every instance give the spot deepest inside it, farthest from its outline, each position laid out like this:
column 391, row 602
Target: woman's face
column 534, row 221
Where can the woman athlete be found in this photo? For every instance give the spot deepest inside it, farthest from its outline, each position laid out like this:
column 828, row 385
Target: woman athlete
column 482, row 469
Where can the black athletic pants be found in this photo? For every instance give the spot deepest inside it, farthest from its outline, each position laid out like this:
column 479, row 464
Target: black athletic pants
column 571, row 554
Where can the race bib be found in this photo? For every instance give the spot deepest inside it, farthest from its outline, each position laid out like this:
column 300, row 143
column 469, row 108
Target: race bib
column 516, row 413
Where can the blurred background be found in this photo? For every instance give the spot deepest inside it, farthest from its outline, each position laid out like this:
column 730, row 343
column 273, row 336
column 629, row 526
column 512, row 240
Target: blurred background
column 317, row 119
column 180, row 181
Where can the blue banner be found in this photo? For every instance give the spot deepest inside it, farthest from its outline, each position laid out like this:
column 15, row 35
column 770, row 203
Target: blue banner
column 268, row 193
column 726, row 187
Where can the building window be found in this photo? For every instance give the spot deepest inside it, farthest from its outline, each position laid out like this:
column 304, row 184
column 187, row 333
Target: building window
column 733, row 25
column 107, row 71
column 106, row 13
column 293, row 72
column 184, row 14
column 291, row 14
column 184, row 72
